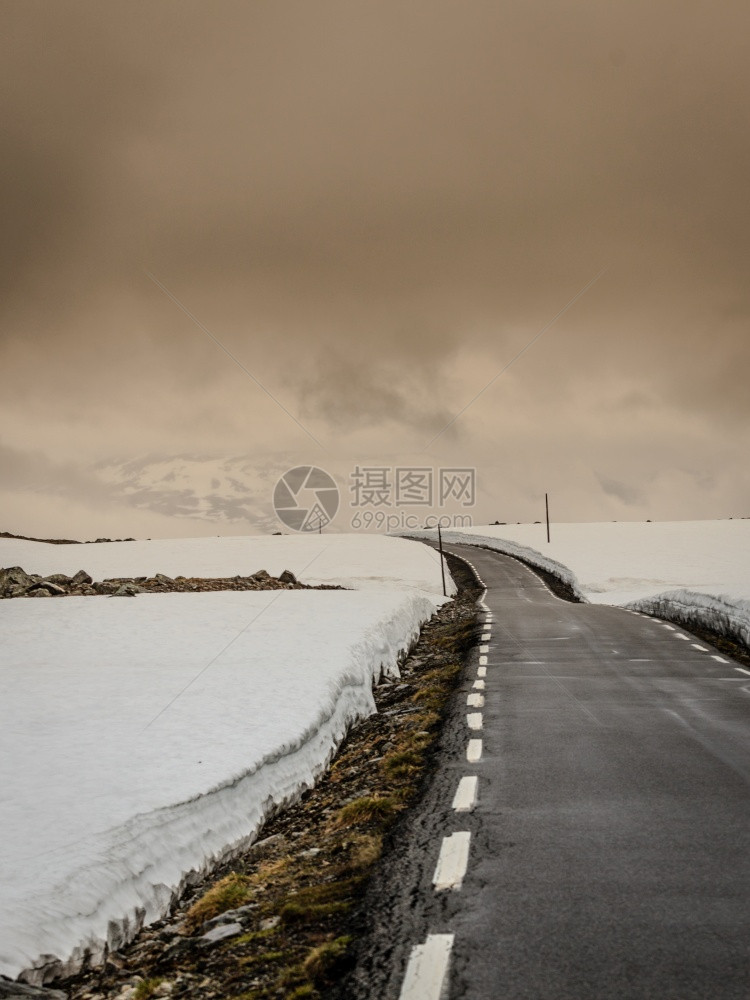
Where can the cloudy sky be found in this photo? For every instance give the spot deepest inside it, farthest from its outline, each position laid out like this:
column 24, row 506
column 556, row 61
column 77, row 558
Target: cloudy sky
column 292, row 232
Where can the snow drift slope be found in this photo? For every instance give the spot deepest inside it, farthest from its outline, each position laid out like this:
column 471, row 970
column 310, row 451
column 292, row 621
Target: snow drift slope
column 693, row 572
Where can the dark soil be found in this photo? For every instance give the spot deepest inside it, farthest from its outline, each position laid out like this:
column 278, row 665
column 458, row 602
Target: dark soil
column 290, row 901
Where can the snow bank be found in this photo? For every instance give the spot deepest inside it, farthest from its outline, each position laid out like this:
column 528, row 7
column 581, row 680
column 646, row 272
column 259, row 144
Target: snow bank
column 144, row 738
column 355, row 561
column 726, row 617
column 692, row 572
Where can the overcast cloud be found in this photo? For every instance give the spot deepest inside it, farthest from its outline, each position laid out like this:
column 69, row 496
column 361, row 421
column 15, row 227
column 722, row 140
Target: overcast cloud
column 374, row 207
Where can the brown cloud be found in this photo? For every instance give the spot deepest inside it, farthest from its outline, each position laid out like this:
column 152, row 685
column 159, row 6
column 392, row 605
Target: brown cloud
column 374, row 207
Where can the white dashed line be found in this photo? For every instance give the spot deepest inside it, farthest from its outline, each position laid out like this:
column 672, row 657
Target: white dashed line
column 474, row 751
column 466, row 794
column 701, row 648
column 481, row 671
column 679, row 635
column 452, row 861
column 428, row 967
column 486, row 637
column 719, row 659
column 670, row 627
column 478, row 685
column 483, row 661
column 475, row 700
column 474, row 720
column 484, row 649
column 743, row 671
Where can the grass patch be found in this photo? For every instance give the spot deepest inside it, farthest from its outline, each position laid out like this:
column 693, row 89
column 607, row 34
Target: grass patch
column 230, row 892
column 325, row 962
column 147, row 987
column 402, row 764
column 368, row 809
column 264, row 958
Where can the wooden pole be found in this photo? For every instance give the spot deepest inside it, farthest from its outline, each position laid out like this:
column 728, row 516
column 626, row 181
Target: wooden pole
column 442, row 564
column 546, row 509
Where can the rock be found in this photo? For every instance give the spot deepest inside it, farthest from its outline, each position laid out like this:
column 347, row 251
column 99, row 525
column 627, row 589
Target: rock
column 53, row 589
column 105, row 588
column 128, row 590
column 161, row 578
column 14, row 581
column 219, row 933
column 288, row 577
column 231, row 916
column 261, row 847
column 22, row 991
column 59, row 578
column 269, row 923
column 261, row 575
column 80, row 579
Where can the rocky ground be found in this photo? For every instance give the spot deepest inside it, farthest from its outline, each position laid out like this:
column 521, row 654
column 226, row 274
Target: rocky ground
column 281, row 919
column 15, row 582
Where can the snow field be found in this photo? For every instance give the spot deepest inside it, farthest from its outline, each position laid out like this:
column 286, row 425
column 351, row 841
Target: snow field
column 144, row 738
column 353, row 561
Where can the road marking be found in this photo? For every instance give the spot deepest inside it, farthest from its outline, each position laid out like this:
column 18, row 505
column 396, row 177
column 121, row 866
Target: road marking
column 742, row 670
column 466, row 794
column 478, row 685
column 484, row 649
column 481, row 671
column 428, row 968
column 719, row 659
column 475, row 700
column 474, row 750
column 670, row 627
column 679, row 635
column 474, row 720
column 701, row 648
column 486, row 637
column 452, row 861
column 483, row 661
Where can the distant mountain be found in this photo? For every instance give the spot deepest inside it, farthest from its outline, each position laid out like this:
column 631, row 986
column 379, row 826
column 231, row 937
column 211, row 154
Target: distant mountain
column 213, row 489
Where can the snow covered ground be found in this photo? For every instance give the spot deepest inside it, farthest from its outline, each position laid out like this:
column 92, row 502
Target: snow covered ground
column 356, row 561
column 695, row 572
column 142, row 737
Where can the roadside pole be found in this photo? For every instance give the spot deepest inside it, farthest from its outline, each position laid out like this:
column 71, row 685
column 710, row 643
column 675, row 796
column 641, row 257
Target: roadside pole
column 442, row 563
column 546, row 510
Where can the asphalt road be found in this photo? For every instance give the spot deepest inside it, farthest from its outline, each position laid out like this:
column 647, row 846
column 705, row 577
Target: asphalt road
column 609, row 848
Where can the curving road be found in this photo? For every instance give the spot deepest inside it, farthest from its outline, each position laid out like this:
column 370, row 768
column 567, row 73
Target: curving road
column 605, row 850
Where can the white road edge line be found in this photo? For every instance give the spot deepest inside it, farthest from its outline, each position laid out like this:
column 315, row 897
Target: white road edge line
column 474, row 750
column 484, row 649
column 719, row 659
column 427, row 971
column 478, row 685
column 486, row 637
column 465, row 798
column 481, row 671
column 483, row 661
column 679, row 635
column 701, row 648
column 474, row 721
column 452, row 862
column 742, row 670
column 475, row 700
